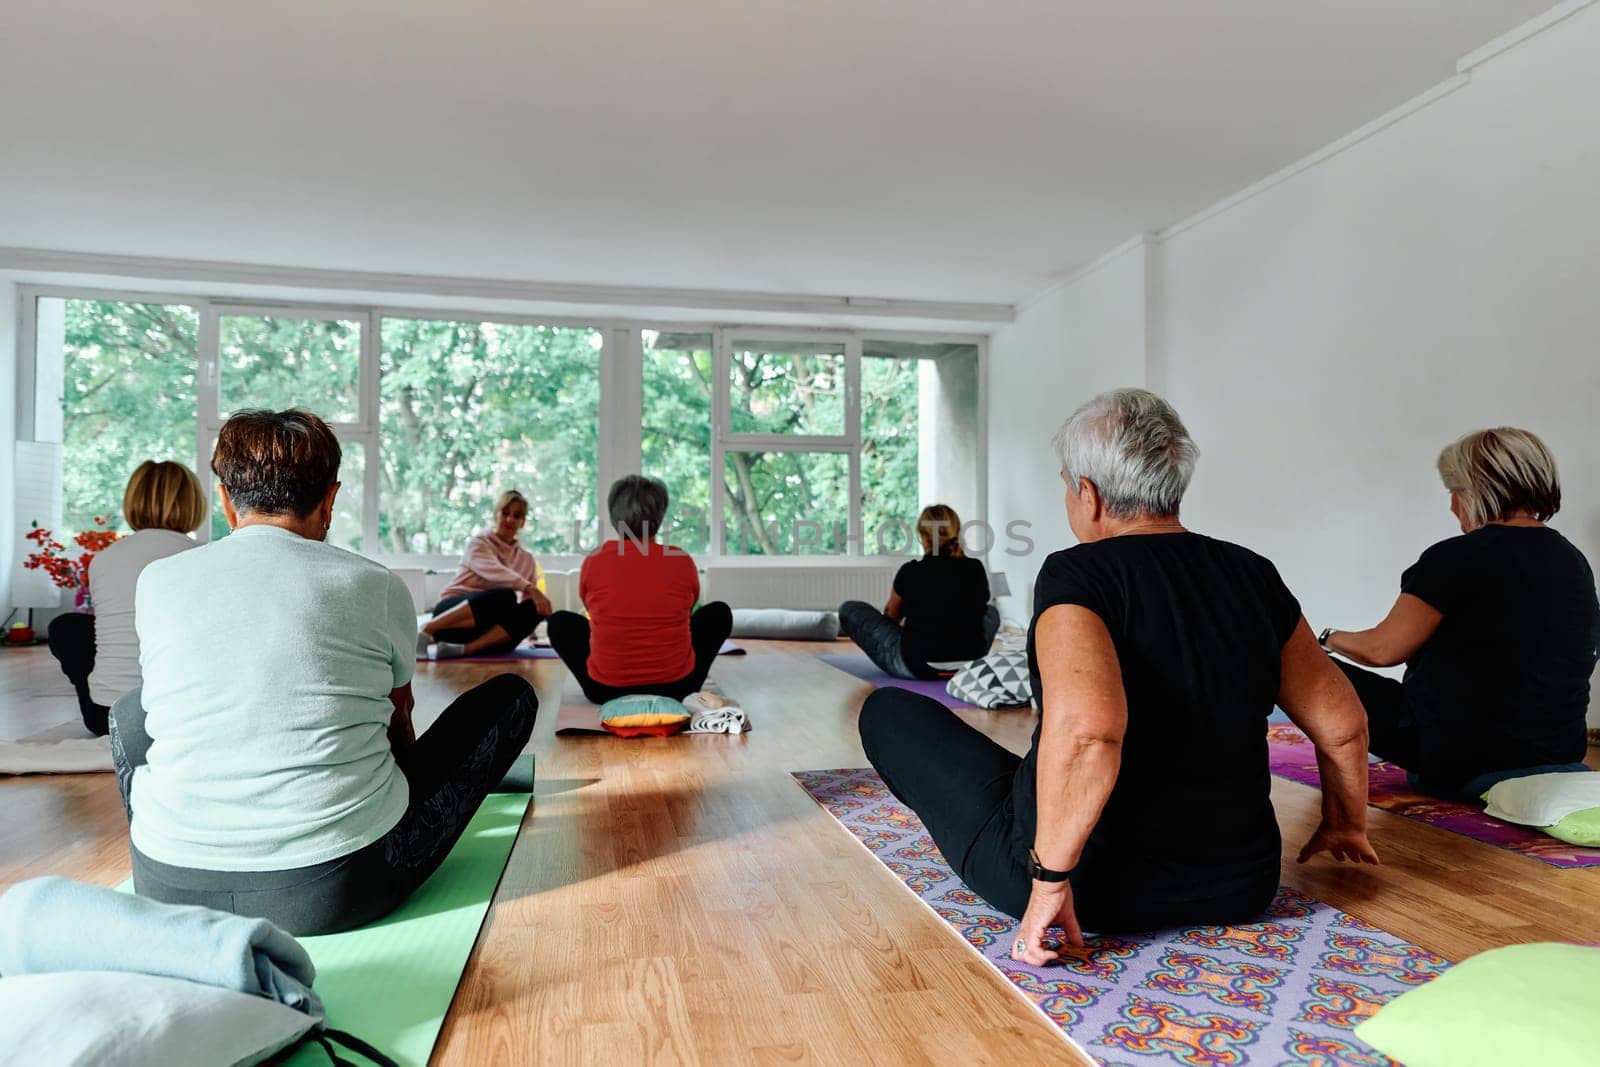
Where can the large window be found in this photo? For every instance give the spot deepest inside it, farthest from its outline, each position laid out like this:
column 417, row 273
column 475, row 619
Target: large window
column 470, row 409
column 116, row 387
column 277, row 362
column 675, row 439
column 890, row 454
column 773, row 441
column 787, row 503
column 795, row 387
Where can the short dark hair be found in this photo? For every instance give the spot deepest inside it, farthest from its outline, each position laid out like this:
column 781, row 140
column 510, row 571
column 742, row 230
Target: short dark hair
column 276, row 462
column 638, row 506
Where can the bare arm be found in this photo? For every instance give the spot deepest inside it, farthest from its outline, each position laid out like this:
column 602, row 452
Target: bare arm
column 891, row 610
column 1085, row 716
column 1321, row 701
column 401, row 731
column 1395, row 640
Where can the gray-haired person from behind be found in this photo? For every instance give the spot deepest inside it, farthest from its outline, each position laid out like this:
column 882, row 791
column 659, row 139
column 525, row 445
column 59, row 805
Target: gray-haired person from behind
column 1157, row 655
column 644, row 633
column 637, row 506
column 1499, row 629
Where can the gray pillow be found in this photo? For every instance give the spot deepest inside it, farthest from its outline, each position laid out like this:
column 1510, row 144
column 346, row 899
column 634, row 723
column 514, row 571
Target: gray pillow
column 783, row 624
column 138, row 1020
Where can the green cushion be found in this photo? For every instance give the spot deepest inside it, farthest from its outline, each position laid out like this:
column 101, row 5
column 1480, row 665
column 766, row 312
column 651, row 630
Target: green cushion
column 1533, row 1004
column 1579, row 828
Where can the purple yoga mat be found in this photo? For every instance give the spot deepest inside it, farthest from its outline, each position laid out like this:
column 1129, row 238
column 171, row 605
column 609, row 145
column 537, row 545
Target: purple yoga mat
column 1291, row 755
column 546, row 652
column 857, row 663
column 1289, row 989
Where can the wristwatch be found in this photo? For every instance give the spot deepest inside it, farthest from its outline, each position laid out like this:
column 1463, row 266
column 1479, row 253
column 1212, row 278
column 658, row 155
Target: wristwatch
column 1041, row 873
column 1322, row 638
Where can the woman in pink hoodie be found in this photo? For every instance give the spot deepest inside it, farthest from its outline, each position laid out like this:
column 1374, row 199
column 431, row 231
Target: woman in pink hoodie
column 494, row 600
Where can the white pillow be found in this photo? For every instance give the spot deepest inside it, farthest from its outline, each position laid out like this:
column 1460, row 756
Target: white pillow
column 1543, row 799
column 138, row 1020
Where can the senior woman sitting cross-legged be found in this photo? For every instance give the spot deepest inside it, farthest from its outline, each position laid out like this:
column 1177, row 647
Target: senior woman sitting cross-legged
column 643, row 633
column 269, row 764
column 1499, row 629
column 1157, row 654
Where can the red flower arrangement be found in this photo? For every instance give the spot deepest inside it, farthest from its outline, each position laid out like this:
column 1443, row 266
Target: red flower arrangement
column 68, row 572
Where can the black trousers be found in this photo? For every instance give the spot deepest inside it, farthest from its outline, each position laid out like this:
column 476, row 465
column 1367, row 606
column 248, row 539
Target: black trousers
column 450, row 768
column 962, row 785
column 881, row 638
column 71, row 638
column 491, row 608
column 709, row 627
column 1391, row 735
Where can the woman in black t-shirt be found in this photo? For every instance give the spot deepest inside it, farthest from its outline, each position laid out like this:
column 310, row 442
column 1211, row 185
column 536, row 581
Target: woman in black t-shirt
column 1499, row 629
column 1158, row 654
column 938, row 611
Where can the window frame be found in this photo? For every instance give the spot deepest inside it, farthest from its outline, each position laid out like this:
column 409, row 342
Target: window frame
column 620, row 371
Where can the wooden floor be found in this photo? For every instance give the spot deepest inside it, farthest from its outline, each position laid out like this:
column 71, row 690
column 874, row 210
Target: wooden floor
column 682, row 900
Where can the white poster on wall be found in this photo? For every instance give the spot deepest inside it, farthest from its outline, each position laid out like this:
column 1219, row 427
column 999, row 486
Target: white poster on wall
column 38, row 500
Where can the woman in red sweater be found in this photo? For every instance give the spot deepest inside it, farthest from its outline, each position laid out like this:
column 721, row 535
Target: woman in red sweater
column 494, row 600
column 643, row 634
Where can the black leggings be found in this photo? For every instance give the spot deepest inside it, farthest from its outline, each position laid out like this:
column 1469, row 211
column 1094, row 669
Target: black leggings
column 72, row 642
column 450, row 768
column 882, row 639
column 491, row 608
column 708, row 629
column 1391, row 734
column 962, row 785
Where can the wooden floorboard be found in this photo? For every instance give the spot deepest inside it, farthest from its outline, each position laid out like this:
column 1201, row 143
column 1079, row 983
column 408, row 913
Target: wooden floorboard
column 681, row 900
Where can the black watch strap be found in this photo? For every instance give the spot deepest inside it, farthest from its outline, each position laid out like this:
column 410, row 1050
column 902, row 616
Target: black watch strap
column 1322, row 638
column 1042, row 873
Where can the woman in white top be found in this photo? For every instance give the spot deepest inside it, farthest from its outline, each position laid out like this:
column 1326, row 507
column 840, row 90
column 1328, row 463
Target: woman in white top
column 99, row 653
column 269, row 763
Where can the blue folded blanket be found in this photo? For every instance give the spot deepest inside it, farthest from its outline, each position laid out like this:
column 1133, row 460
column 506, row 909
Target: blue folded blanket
column 55, row 924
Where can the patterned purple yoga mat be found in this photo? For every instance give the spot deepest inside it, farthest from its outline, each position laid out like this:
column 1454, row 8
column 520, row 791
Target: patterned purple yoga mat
column 1291, row 756
column 858, row 664
column 1287, row 990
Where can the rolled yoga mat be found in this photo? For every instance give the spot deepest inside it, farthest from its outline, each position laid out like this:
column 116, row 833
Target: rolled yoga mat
column 391, row 983
column 859, row 665
column 1292, row 756
column 1289, row 989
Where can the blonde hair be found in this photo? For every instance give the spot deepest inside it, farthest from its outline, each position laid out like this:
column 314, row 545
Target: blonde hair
column 163, row 496
column 509, row 497
column 1497, row 473
column 939, row 527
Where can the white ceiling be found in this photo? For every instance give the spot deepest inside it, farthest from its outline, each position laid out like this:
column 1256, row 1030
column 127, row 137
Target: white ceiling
column 957, row 149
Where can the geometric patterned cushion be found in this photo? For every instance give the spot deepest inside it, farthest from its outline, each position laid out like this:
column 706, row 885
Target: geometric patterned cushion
column 998, row 680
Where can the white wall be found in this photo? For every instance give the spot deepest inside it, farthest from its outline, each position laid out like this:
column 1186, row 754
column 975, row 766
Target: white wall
column 1326, row 338
column 1079, row 339
column 8, row 436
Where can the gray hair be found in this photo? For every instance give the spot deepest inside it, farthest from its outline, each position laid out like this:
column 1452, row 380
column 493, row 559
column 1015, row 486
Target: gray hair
column 1497, row 473
column 638, row 506
column 1131, row 445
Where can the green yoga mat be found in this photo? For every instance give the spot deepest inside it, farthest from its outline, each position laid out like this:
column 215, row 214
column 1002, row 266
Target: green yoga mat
column 391, row 983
